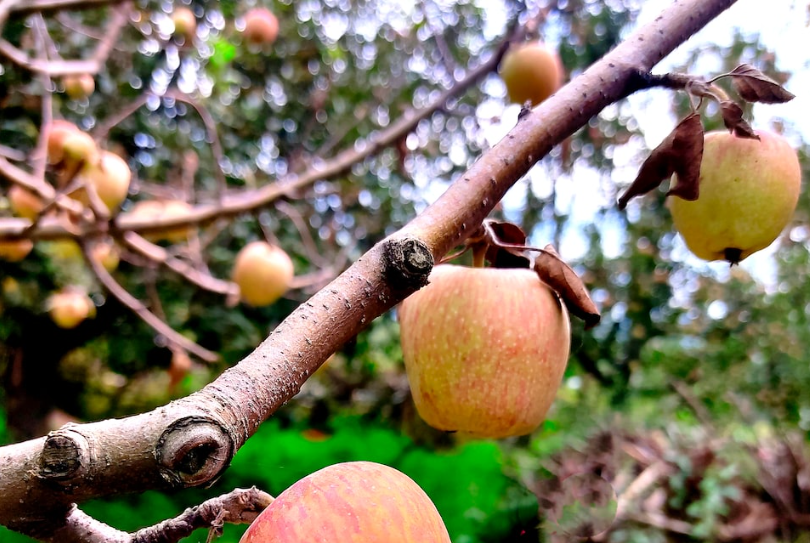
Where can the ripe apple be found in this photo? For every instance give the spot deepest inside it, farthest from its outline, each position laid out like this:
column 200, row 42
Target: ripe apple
column 160, row 209
column 352, row 502
column 70, row 307
column 79, row 86
column 78, row 148
column 263, row 273
column 485, row 349
column 261, row 26
column 16, row 250
column 110, row 176
column 24, row 203
column 748, row 192
column 185, row 23
column 59, row 130
column 532, row 72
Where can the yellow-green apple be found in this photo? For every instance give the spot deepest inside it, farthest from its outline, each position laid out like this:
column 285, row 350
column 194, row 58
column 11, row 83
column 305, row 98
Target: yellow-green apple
column 15, row 250
column 69, row 307
column 532, row 72
column 185, row 23
column 485, row 349
column 110, row 176
column 24, row 203
column 748, row 192
column 79, row 86
column 352, row 502
column 263, row 273
column 57, row 133
column 261, row 26
column 156, row 210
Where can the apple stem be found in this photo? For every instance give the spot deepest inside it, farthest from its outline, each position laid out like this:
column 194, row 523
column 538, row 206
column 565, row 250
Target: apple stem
column 479, row 255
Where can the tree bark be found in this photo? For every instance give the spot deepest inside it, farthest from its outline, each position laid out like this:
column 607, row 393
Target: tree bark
column 191, row 441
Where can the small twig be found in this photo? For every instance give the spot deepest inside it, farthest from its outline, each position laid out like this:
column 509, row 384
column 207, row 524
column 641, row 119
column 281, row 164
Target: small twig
column 447, row 57
column 159, row 255
column 39, row 156
column 103, row 128
column 141, row 311
column 5, row 7
column 306, row 237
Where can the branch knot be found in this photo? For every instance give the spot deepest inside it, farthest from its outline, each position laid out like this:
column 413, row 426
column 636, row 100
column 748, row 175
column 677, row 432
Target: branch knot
column 408, row 262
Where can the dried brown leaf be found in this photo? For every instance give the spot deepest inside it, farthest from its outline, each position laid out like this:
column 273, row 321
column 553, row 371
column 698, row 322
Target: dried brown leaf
column 681, row 152
column 754, row 86
column 553, row 271
column 500, row 235
column 733, row 119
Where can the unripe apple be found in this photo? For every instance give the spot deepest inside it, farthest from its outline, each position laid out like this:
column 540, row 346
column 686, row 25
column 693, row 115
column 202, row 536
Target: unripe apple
column 748, row 192
column 68, row 308
column 185, row 23
column 261, row 26
column 24, row 203
column 532, row 72
column 485, row 349
column 263, row 273
column 15, row 250
column 161, row 209
column 110, row 177
column 79, row 86
column 79, row 148
column 353, row 502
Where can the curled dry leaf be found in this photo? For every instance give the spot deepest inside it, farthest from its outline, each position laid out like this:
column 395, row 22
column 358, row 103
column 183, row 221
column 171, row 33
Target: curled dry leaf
column 506, row 242
column 553, row 271
column 679, row 153
column 754, row 86
column 733, row 119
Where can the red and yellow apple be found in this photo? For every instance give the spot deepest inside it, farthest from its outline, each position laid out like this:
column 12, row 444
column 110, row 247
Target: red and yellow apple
column 531, row 72
column 485, row 349
column 748, row 191
column 15, row 250
column 69, row 307
column 353, row 502
column 69, row 146
column 261, row 26
column 110, row 177
column 156, row 210
column 106, row 253
column 24, row 203
column 263, row 272
column 79, row 86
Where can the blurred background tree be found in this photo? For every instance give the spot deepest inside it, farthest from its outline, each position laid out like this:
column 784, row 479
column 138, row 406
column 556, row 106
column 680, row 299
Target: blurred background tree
column 698, row 368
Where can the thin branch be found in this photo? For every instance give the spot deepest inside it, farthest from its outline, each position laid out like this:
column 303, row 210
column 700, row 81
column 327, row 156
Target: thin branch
column 161, row 256
column 240, row 506
column 46, row 6
column 300, row 224
column 55, row 68
column 39, row 157
column 141, row 311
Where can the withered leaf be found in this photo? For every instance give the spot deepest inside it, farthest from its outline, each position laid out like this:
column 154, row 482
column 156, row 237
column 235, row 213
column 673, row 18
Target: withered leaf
column 680, row 153
column 754, row 86
column 733, row 119
column 506, row 241
column 553, row 271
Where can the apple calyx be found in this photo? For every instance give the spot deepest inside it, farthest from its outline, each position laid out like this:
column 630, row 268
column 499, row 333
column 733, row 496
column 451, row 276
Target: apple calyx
column 503, row 245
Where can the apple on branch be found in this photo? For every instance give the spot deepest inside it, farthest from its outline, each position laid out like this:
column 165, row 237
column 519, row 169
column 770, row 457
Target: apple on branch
column 352, row 502
column 263, row 272
column 749, row 189
column 531, row 72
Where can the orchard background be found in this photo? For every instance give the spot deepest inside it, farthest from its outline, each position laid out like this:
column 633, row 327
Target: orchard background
column 696, row 378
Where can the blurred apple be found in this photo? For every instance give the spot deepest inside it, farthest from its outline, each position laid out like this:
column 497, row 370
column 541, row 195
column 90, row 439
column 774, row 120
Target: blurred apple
column 261, row 26
column 70, row 307
column 79, row 86
column 532, row 72
column 353, row 502
column 485, row 350
column 185, row 23
column 110, row 176
column 15, row 250
column 748, row 191
column 24, row 203
column 106, row 253
column 164, row 209
column 263, row 273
